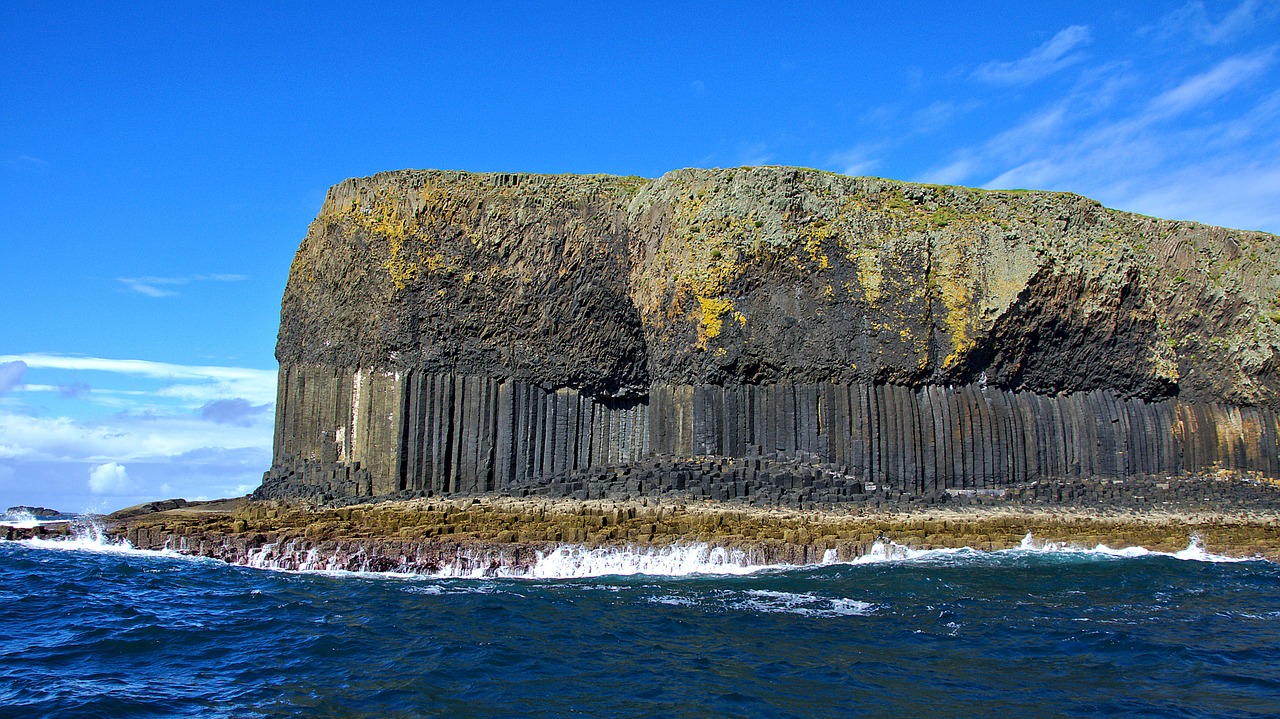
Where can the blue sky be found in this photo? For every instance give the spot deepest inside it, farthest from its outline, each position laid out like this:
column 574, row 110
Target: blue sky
column 159, row 162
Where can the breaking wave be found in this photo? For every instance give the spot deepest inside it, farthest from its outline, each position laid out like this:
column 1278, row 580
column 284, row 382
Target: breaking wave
column 577, row 562
column 22, row 519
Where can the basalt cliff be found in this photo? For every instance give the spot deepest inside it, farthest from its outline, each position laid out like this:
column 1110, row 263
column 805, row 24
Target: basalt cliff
column 761, row 332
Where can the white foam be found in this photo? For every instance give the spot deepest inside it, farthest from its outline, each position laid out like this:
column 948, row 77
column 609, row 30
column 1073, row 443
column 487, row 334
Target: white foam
column 888, row 551
column 88, row 536
column 804, row 604
column 563, row 562
column 288, row 558
column 674, row 601
column 575, row 562
column 764, row 601
column 1195, row 551
column 23, row 519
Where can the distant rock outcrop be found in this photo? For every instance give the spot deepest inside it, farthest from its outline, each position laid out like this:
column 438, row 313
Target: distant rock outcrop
column 458, row 332
column 32, row 512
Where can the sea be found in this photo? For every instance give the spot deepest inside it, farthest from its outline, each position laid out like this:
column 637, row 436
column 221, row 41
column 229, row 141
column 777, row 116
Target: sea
column 92, row 628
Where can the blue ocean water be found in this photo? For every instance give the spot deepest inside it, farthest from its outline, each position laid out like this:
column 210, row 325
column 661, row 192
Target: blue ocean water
column 89, row 630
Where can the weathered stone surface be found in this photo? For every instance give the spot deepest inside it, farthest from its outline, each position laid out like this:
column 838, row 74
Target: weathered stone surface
column 490, row 533
column 483, row 275
column 37, row 512
column 455, row 332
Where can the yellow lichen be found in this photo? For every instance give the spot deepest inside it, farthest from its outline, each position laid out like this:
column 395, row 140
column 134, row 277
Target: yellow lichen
column 957, row 290
column 711, row 323
column 869, row 276
column 401, row 270
column 814, row 235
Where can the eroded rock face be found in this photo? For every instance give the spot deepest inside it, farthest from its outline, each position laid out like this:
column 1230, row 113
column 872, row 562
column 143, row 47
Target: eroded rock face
column 754, row 275
column 451, row 331
column 762, row 274
column 496, row 275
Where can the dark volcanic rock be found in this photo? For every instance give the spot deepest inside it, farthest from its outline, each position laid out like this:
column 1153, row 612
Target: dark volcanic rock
column 471, row 274
column 37, row 512
column 455, row 332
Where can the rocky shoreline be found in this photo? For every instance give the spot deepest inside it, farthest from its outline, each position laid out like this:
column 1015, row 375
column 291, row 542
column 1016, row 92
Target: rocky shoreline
column 490, row 535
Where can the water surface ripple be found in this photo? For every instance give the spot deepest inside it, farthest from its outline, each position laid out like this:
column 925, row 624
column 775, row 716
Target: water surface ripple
column 1020, row 633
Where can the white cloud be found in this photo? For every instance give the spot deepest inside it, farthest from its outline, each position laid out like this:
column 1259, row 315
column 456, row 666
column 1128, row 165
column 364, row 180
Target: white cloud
column 158, row 286
column 1232, row 194
column 858, row 160
column 11, row 374
column 213, row 445
column 1016, row 144
column 109, row 478
column 28, row 162
column 1052, row 56
column 1193, row 19
column 1181, row 152
column 952, row 174
column 62, row 483
column 126, row 437
column 207, row 382
column 754, row 154
column 937, row 115
column 1211, row 85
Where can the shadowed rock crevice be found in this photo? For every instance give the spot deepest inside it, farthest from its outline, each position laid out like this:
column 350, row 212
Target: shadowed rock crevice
column 1067, row 336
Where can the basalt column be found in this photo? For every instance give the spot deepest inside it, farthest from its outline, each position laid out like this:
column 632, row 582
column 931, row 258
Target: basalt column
column 457, row 433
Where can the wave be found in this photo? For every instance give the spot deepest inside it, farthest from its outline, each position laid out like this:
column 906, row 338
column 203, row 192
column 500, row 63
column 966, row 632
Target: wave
column 762, row 601
column 88, row 536
column 564, row 562
column 26, row 520
column 888, row 551
column 577, row 562
column 1194, row 552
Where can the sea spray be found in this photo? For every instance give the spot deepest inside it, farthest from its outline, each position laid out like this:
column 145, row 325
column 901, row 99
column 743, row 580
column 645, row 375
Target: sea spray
column 88, row 535
column 568, row 561
column 1194, row 550
column 21, row 518
column 563, row 562
column 572, row 562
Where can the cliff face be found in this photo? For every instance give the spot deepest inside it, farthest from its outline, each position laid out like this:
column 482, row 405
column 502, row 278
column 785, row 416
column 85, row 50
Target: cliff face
column 455, row 331
column 494, row 275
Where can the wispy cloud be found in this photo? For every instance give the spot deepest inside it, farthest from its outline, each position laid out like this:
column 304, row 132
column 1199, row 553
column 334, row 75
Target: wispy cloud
column 11, row 374
column 1211, row 85
column 938, row 114
column 194, row 382
column 858, row 160
column 74, row 390
column 754, row 154
column 164, row 286
column 1192, row 19
column 28, row 162
column 1171, row 150
column 124, row 437
column 237, row 411
column 1055, row 54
